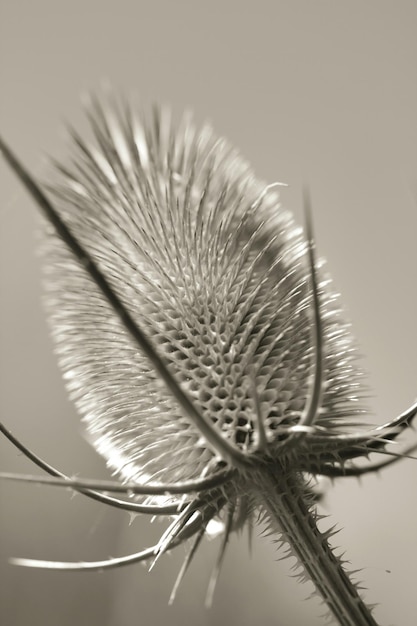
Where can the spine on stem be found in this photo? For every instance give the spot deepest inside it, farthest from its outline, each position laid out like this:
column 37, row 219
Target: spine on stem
column 284, row 502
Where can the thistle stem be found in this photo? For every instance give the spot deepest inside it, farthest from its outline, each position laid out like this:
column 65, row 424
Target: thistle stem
column 285, row 504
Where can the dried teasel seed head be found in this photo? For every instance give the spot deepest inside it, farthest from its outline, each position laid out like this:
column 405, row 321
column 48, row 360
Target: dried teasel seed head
column 203, row 345
column 215, row 273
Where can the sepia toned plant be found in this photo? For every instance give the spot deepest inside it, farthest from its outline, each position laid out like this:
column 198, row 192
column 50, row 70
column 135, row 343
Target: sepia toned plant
column 203, row 346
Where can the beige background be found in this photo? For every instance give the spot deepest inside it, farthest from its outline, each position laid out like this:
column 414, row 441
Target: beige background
column 317, row 92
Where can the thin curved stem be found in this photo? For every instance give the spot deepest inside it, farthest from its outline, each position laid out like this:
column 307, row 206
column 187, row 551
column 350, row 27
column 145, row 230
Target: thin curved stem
column 134, row 507
column 401, row 422
column 82, row 566
column 76, row 566
column 151, row 489
column 327, row 445
column 335, row 471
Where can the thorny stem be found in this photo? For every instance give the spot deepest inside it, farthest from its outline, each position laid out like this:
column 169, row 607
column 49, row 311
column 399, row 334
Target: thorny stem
column 285, row 504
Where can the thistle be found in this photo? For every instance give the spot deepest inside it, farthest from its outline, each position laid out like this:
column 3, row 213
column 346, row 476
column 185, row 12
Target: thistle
column 203, row 346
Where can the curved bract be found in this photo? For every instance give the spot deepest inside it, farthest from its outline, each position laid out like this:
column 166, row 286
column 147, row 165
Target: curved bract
column 201, row 342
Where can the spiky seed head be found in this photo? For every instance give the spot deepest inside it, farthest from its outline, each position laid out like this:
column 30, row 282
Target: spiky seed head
column 197, row 328
column 214, row 271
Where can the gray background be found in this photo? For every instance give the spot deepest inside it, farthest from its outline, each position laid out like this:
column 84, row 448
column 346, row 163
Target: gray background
column 315, row 92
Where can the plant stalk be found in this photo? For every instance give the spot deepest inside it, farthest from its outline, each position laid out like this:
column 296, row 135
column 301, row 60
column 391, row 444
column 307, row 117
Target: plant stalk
column 284, row 500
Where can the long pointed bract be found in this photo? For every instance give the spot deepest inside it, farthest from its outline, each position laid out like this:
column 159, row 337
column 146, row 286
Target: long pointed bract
column 148, row 509
column 112, row 563
column 220, row 445
column 150, row 489
column 312, row 407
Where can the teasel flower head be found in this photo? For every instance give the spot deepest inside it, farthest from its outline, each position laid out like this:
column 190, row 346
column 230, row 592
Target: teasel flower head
column 202, row 343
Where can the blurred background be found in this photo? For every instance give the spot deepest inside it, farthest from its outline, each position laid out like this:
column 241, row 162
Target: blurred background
column 316, row 92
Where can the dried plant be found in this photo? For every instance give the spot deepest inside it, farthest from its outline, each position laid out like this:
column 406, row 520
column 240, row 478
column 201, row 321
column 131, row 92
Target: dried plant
column 203, row 345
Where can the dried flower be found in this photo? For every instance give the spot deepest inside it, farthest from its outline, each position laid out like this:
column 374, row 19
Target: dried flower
column 202, row 344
